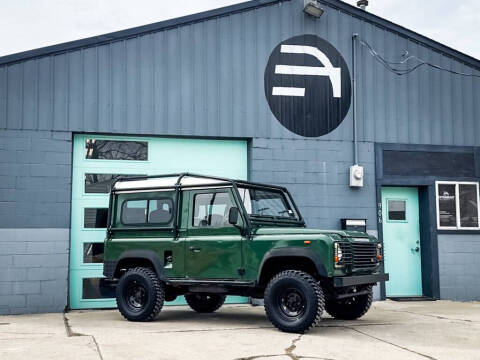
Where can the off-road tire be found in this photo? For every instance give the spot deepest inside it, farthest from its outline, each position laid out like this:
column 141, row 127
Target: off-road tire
column 205, row 303
column 153, row 294
column 350, row 308
column 294, row 301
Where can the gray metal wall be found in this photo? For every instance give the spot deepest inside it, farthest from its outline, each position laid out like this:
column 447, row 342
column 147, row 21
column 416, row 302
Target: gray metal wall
column 35, row 196
column 459, row 261
column 206, row 78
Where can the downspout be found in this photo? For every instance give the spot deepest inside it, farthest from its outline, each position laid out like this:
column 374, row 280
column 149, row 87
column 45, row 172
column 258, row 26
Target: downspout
column 354, row 99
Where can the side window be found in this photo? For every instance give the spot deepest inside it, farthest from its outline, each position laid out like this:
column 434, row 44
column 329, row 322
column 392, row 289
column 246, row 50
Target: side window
column 134, row 211
column 147, row 211
column 211, row 209
column 160, row 211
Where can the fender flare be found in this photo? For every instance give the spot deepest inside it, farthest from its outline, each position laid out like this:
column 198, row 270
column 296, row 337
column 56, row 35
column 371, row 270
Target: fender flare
column 149, row 255
column 294, row 252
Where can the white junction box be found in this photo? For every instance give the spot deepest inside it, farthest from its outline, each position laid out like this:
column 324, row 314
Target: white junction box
column 356, row 176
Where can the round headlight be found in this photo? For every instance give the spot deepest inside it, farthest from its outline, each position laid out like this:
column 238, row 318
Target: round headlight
column 339, row 253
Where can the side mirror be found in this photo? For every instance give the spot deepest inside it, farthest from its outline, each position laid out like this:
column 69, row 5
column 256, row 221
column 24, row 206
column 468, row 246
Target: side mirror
column 233, row 215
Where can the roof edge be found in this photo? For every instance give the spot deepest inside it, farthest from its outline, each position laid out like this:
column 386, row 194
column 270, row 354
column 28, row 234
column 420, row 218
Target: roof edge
column 377, row 20
column 135, row 31
column 223, row 11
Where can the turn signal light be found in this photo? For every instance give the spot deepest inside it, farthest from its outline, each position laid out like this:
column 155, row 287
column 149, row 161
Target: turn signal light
column 336, row 259
column 307, row 242
column 379, row 257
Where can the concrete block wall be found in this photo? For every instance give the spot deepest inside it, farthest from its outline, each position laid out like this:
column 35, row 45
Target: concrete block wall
column 459, row 266
column 316, row 172
column 35, row 182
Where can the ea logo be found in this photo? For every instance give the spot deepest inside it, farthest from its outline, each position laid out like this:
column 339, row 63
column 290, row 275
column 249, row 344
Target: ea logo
column 307, row 85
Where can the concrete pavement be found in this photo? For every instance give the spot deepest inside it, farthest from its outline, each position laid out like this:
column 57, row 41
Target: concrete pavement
column 391, row 330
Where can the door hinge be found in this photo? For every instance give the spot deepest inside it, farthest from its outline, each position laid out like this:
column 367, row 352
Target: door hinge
column 241, row 271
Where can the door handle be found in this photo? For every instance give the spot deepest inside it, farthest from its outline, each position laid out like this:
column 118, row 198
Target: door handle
column 194, row 249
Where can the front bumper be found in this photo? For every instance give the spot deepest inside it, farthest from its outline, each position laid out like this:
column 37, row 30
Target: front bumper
column 343, row 281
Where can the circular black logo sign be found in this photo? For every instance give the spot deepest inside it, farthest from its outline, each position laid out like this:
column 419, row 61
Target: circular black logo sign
column 307, row 85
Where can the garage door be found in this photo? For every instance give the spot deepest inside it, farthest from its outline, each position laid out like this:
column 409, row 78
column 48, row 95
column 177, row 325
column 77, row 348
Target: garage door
column 97, row 160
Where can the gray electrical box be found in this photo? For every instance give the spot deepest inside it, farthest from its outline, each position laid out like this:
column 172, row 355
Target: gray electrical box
column 354, row 224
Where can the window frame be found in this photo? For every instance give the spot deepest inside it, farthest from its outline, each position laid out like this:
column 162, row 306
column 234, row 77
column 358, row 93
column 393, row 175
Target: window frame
column 147, row 223
column 100, row 138
column 388, row 212
column 209, row 191
column 457, row 205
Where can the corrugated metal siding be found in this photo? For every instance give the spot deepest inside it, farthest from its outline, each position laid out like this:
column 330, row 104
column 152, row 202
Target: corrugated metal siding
column 206, row 79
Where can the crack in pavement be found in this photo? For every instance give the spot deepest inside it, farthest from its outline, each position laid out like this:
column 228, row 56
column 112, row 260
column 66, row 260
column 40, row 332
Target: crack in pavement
column 293, row 346
column 391, row 343
column 26, row 333
column 340, row 325
column 436, row 316
column 71, row 333
column 287, row 352
column 200, row 330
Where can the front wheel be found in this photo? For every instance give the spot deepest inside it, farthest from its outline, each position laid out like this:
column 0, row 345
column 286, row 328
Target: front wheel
column 205, row 303
column 140, row 294
column 293, row 301
column 351, row 308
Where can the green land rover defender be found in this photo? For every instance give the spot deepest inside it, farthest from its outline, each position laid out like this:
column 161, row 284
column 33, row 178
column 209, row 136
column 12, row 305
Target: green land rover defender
column 206, row 237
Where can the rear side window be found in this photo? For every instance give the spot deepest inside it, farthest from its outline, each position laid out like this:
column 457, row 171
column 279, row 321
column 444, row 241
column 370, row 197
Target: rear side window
column 147, row 211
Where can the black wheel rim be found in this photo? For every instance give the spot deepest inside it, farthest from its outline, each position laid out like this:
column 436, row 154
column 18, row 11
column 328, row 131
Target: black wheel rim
column 135, row 296
column 292, row 303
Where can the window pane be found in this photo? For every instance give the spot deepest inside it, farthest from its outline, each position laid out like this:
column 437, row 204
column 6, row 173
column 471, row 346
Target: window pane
column 101, row 183
column 97, row 288
column 397, row 210
column 211, row 210
column 468, row 205
column 447, row 205
column 116, row 150
column 93, row 253
column 266, row 202
column 134, row 211
column 160, row 211
column 95, row 218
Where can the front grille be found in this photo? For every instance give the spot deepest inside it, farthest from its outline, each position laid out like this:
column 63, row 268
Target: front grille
column 359, row 255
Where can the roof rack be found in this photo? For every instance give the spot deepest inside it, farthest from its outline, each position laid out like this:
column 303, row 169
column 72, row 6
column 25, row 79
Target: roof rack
column 180, row 176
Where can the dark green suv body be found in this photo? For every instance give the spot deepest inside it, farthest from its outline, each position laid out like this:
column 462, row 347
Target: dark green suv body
column 206, row 237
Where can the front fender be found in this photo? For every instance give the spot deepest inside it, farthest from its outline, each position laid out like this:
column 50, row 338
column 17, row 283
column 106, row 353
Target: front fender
column 294, row 252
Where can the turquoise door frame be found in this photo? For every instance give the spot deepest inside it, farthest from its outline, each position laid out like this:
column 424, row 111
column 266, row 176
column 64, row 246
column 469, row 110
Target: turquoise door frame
column 226, row 158
column 401, row 238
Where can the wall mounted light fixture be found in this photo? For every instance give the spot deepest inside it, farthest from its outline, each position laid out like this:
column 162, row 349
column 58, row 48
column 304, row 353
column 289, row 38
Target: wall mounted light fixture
column 312, row 8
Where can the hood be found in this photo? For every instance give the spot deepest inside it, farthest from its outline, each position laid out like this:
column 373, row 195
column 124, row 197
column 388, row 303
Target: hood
column 305, row 231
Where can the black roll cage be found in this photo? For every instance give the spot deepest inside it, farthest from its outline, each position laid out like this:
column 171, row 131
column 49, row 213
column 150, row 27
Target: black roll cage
column 178, row 186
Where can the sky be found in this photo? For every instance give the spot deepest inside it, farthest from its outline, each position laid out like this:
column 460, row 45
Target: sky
column 30, row 24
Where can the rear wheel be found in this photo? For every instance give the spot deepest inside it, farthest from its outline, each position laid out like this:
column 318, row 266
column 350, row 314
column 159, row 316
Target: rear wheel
column 293, row 301
column 351, row 308
column 140, row 294
column 205, row 303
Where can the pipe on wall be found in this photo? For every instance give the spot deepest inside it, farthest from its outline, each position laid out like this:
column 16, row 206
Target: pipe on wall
column 354, row 99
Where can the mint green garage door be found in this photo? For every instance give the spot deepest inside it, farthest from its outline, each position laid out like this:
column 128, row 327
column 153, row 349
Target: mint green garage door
column 99, row 159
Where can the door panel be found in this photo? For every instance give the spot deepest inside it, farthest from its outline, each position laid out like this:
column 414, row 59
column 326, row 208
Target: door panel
column 214, row 247
column 401, row 237
column 94, row 163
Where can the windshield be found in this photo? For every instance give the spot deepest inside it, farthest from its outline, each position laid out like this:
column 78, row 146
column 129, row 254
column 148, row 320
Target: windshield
column 267, row 203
